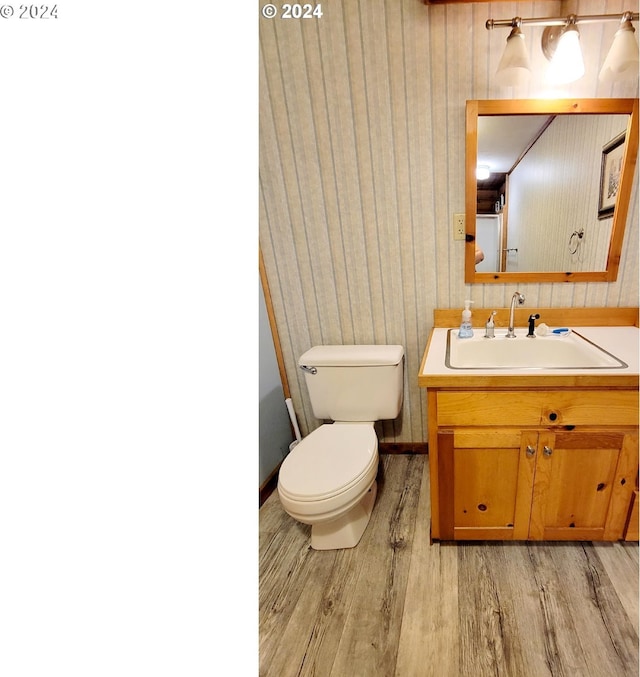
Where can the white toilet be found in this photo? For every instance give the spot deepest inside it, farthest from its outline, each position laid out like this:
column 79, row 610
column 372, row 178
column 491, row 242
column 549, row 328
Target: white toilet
column 329, row 478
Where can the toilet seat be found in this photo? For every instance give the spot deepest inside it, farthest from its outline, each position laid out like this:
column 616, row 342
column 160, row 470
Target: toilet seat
column 329, row 471
column 329, row 461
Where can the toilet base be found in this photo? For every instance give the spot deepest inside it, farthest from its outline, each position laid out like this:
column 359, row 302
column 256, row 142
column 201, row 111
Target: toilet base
column 346, row 531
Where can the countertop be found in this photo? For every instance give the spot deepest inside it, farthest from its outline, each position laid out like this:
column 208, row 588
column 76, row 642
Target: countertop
column 623, row 342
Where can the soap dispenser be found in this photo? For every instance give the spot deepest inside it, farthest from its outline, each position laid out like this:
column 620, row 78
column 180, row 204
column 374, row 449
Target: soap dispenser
column 466, row 330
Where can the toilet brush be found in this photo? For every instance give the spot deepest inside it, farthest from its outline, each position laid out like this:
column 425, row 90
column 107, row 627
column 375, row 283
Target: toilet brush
column 294, row 422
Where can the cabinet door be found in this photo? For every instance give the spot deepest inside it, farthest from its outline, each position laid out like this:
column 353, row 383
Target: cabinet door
column 486, row 483
column 631, row 532
column 583, row 484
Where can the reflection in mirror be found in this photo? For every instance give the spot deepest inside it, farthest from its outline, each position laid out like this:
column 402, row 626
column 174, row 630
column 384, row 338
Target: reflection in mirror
column 558, row 169
column 540, row 219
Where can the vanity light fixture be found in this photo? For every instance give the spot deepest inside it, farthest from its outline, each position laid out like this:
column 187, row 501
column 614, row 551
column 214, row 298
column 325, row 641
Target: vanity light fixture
column 514, row 67
column 622, row 60
column 561, row 46
column 482, row 172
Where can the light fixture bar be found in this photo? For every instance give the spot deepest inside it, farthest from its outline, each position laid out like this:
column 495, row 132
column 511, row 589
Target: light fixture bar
column 561, row 21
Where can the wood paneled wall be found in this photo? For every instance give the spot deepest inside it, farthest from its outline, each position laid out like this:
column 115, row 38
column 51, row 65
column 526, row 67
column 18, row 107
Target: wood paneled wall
column 362, row 168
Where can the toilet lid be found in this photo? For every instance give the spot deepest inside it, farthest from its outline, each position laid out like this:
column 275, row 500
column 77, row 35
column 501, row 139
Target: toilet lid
column 328, row 460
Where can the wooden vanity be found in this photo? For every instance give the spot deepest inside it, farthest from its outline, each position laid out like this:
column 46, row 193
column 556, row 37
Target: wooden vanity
column 534, row 454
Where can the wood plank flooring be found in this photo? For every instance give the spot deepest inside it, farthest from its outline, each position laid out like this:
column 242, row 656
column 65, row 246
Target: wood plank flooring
column 399, row 605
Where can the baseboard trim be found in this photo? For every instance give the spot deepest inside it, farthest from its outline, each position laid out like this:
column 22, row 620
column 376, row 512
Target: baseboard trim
column 403, row 448
column 269, row 485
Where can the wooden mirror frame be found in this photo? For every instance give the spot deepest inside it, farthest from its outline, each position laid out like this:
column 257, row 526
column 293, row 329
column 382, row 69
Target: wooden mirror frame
column 549, row 107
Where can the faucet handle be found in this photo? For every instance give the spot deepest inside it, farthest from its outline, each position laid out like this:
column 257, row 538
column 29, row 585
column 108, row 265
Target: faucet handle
column 489, row 327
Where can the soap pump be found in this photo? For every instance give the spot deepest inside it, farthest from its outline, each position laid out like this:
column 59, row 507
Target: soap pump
column 466, row 330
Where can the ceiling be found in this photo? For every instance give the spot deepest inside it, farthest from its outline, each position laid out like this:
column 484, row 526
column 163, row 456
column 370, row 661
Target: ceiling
column 502, row 139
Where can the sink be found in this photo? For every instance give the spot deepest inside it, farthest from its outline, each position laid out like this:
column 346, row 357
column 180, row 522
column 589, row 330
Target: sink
column 569, row 351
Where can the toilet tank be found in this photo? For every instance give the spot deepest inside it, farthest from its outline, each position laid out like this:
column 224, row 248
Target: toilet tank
column 354, row 383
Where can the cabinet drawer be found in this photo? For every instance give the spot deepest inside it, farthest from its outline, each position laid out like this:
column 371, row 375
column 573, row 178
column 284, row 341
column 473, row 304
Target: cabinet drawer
column 538, row 408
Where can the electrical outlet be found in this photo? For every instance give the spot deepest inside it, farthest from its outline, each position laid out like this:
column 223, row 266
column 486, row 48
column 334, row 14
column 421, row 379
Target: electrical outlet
column 458, row 227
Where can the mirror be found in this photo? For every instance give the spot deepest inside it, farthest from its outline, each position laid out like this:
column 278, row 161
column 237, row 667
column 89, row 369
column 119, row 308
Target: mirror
column 555, row 205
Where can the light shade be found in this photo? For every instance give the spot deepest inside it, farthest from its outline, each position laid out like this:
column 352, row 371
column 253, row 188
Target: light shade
column 483, row 172
column 622, row 60
column 567, row 64
column 514, row 68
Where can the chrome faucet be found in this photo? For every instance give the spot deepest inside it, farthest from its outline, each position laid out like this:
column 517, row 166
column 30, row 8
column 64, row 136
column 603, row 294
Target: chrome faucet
column 517, row 296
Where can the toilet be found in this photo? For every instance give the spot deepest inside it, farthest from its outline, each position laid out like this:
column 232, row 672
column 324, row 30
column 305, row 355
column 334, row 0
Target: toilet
column 329, row 478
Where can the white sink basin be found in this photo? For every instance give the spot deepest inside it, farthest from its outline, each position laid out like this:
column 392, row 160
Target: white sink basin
column 571, row 351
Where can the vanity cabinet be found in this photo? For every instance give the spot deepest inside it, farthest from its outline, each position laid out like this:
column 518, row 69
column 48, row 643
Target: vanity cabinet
column 534, row 464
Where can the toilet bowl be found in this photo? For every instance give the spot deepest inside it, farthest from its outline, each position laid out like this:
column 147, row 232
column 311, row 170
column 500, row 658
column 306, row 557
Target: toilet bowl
column 329, row 479
column 328, row 482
